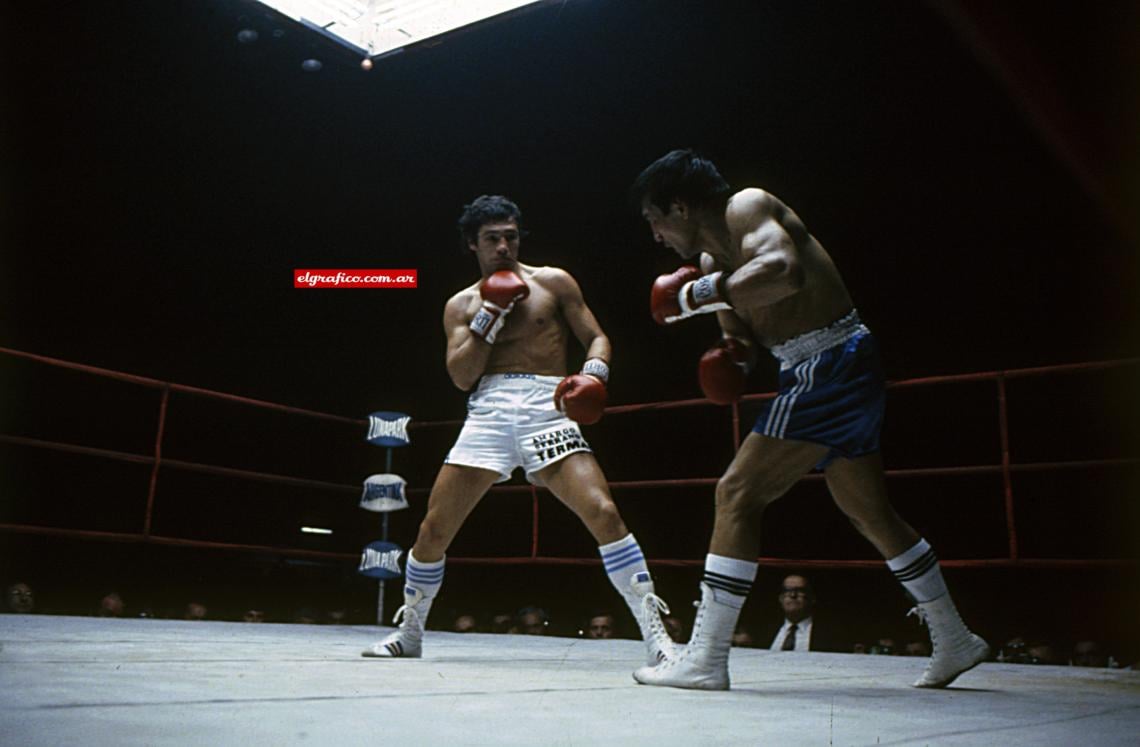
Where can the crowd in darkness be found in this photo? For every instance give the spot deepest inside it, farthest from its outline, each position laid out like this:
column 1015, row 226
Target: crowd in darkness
column 796, row 600
column 20, row 598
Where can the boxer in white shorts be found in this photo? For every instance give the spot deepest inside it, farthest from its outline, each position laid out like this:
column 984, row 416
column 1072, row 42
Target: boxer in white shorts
column 507, row 336
column 512, row 422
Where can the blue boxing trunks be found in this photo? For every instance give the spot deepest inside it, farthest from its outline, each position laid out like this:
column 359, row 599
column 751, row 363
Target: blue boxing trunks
column 832, row 391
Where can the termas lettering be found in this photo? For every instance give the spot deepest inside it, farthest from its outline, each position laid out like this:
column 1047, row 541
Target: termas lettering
column 556, row 443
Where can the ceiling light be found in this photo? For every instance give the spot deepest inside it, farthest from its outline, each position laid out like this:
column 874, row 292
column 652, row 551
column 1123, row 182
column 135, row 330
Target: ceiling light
column 378, row 27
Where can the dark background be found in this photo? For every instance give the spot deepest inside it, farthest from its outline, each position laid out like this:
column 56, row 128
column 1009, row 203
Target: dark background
column 972, row 168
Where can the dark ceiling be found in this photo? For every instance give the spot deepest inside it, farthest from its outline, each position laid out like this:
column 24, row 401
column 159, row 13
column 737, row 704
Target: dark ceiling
column 973, row 167
column 965, row 165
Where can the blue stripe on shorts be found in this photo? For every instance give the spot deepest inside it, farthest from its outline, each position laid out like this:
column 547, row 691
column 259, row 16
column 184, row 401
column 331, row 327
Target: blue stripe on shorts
column 835, row 398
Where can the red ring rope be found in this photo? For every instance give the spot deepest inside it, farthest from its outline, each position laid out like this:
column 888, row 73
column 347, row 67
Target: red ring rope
column 1006, row 468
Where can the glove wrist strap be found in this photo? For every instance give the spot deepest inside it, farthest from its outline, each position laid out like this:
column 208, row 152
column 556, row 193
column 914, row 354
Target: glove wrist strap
column 597, row 368
column 708, row 293
column 487, row 322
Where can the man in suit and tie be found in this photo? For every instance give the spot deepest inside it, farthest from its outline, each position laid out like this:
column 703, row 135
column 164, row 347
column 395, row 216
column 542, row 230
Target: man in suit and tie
column 798, row 633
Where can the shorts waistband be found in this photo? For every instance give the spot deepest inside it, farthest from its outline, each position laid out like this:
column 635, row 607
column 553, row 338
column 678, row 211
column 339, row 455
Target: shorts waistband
column 523, row 379
column 798, row 348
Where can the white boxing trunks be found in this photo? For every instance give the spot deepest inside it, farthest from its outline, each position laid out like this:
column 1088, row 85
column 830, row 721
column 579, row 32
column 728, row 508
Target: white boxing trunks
column 512, row 422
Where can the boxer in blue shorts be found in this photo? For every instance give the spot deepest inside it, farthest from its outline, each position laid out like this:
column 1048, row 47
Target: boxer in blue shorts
column 507, row 336
column 832, row 391
column 771, row 284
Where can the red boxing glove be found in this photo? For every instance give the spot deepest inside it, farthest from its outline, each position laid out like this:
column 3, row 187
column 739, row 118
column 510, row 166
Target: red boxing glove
column 581, row 398
column 685, row 293
column 664, row 303
column 503, row 288
column 723, row 371
column 500, row 291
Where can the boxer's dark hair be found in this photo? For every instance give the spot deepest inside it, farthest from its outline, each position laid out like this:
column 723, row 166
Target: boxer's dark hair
column 680, row 175
column 483, row 210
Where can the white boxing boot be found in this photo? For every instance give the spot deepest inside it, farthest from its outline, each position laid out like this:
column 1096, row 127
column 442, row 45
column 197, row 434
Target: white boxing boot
column 703, row 664
column 407, row 641
column 954, row 648
column 647, row 607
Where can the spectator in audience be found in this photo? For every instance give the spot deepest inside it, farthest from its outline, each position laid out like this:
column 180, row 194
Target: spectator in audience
column 195, row 611
column 464, row 624
column 742, row 638
column 1088, row 654
column 884, row 647
column 20, row 599
column 253, row 615
column 800, row 630
column 601, row 625
column 916, row 648
column 1020, row 650
column 1013, row 651
column 531, row 621
column 1042, row 652
column 111, row 605
column 502, row 624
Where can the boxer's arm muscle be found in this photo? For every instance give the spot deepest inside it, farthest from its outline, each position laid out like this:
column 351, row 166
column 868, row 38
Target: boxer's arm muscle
column 467, row 355
column 771, row 271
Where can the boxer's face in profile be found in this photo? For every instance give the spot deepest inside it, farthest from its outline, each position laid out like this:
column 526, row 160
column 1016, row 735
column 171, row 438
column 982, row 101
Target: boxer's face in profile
column 670, row 229
column 497, row 245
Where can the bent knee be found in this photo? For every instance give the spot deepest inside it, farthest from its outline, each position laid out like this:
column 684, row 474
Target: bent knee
column 604, row 516
column 433, row 534
column 739, row 495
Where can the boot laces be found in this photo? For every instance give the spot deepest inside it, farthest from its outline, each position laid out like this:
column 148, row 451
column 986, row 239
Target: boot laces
column 651, row 608
column 699, row 619
column 651, row 603
column 406, row 614
column 920, row 613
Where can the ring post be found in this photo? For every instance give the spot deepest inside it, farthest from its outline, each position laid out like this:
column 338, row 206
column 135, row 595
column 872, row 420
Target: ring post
column 384, row 493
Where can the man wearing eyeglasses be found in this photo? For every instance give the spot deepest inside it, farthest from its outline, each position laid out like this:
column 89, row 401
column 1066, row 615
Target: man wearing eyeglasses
column 797, row 600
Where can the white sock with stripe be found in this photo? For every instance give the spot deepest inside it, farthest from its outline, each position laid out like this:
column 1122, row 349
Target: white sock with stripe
column 917, row 570
column 730, row 576
column 622, row 559
column 427, row 577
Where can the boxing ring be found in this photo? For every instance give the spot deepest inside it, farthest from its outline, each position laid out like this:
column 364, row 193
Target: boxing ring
column 131, row 681
column 1002, row 466
column 69, row 680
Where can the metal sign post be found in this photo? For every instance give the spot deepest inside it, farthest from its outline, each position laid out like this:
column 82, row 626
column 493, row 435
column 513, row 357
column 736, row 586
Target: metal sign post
column 384, row 493
column 383, row 538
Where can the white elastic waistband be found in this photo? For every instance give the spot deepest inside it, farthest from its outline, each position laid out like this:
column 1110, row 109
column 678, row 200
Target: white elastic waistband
column 798, row 348
column 518, row 379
